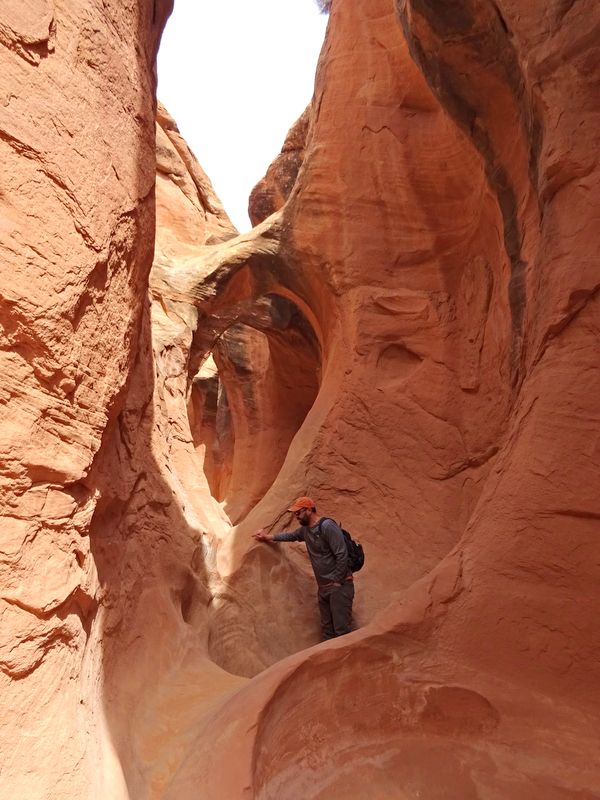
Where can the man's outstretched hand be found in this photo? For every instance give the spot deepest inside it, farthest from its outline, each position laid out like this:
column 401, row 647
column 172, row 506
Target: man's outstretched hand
column 264, row 537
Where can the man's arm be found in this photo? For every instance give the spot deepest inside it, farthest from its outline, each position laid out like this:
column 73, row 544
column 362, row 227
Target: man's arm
column 334, row 537
column 264, row 537
column 289, row 536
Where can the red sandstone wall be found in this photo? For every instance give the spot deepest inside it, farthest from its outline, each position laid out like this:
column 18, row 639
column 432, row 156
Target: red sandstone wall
column 393, row 232
column 411, row 338
column 457, row 415
column 76, row 232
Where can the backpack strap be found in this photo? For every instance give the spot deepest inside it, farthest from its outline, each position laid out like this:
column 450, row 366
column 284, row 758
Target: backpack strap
column 320, row 522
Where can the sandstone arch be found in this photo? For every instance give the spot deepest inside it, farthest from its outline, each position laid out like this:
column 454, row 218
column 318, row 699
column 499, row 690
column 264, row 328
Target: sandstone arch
column 267, row 365
column 439, row 238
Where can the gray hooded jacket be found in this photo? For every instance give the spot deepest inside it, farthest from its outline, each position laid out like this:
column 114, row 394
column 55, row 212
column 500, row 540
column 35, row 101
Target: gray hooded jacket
column 326, row 548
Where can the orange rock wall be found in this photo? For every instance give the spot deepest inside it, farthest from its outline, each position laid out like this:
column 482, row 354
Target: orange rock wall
column 394, row 236
column 76, row 232
column 455, row 424
column 410, row 336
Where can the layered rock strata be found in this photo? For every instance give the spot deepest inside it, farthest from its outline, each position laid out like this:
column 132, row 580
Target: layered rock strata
column 409, row 334
column 431, row 201
column 76, row 231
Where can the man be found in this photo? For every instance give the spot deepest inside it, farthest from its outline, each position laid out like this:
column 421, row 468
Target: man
column 329, row 558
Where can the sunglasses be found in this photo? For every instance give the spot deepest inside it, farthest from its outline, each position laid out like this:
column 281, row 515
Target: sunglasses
column 300, row 511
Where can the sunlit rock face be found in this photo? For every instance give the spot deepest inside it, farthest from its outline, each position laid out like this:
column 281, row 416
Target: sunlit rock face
column 438, row 239
column 389, row 245
column 409, row 334
column 77, row 113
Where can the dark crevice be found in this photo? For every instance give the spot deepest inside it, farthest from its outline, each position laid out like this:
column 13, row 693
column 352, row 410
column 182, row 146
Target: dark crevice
column 492, row 48
column 502, row 21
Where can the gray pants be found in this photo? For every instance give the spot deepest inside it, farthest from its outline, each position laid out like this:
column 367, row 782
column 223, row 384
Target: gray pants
column 335, row 605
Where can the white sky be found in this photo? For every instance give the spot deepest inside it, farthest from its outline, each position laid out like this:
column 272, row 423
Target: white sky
column 235, row 75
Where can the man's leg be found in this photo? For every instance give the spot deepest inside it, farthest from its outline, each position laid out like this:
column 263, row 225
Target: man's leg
column 341, row 607
column 325, row 610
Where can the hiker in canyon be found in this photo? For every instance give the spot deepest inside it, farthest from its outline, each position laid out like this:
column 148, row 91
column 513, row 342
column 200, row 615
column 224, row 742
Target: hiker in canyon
column 328, row 554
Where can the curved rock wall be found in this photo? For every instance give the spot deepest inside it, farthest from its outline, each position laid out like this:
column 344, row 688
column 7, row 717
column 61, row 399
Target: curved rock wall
column 454, row 426
column 404, row 270
column 76, row 232
column 409, row 334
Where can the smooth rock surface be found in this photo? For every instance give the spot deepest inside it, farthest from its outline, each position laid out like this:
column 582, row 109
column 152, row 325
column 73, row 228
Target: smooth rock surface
column 453, row 430
column 409, row 334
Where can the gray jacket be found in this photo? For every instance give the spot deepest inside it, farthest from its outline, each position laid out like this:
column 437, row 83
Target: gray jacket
column 326, row 548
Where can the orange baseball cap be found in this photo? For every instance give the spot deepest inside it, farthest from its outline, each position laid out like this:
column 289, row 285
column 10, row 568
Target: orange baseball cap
column 302, row 502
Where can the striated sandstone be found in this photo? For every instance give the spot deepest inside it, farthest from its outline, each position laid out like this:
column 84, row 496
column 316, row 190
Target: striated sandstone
column 76, row 232
column 415, row 240
column 409, row 334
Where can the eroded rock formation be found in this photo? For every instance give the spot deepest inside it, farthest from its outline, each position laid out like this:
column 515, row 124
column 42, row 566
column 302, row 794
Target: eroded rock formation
column 272, row 191
column 409, row 333
column 76, row 233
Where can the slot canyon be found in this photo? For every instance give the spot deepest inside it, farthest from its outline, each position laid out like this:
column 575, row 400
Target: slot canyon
column 409, row 334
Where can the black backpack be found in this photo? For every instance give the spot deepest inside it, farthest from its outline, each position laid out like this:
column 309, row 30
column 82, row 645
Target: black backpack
column 356, row 554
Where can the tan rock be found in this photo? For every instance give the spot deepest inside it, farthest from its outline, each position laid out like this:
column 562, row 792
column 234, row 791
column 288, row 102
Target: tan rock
column 408, row 334
column 456, row 334
column 76, row 231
